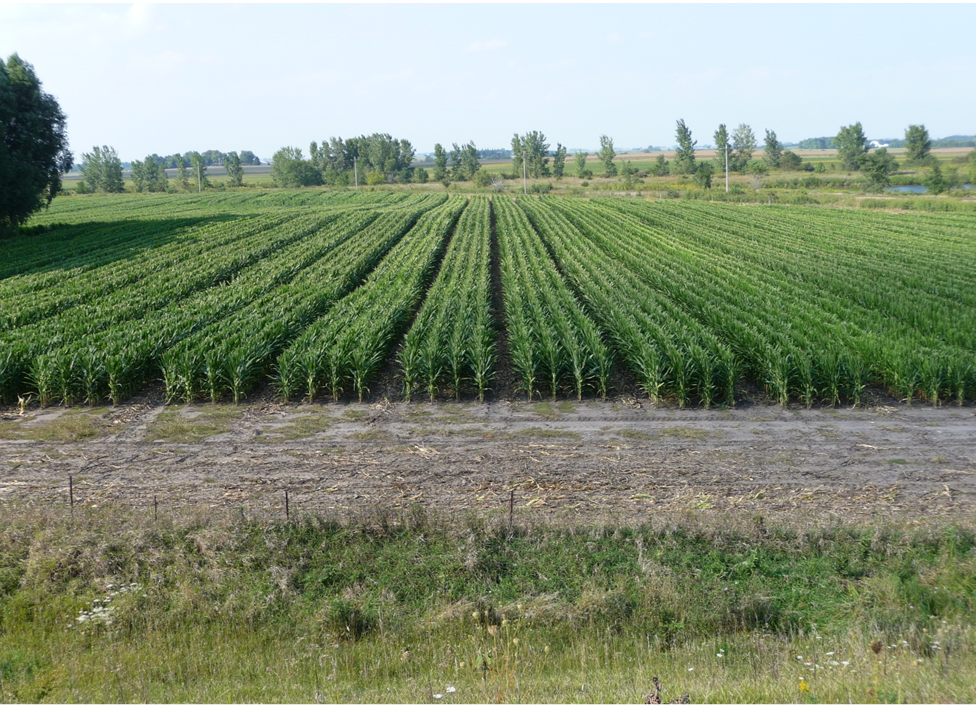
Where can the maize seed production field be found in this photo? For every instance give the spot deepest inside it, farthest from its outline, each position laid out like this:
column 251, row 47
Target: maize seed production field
column 408, row 296
column 820, row 359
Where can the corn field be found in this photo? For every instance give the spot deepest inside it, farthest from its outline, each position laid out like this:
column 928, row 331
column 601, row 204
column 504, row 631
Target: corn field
column 318, row 293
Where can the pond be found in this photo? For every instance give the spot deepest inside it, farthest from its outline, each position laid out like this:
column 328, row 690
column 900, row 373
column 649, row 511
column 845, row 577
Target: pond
column 922, row 189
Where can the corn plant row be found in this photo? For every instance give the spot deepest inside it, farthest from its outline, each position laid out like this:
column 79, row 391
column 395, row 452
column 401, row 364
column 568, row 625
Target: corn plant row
column 230, row 357
column 783, row 344
column 142, row 272
column 41, row 260
column 118, row 361
column 669, row 353
column 799, row 251
column 452, row 340
column 892, row 353
column 787, row 337
column 346, row 347
column 550, row 339
column 20, row 347
column 98, row 260
column 83, row 209
column 765, row 351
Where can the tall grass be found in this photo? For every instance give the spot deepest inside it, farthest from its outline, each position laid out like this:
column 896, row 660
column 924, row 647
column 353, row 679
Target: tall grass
column 112, row 606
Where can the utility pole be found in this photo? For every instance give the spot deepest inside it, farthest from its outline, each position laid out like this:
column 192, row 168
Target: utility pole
column 199, row 181
column 355, row 170
column 726, row 166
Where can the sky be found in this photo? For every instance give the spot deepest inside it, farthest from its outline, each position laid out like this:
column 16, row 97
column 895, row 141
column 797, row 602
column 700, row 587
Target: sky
column 167, row 78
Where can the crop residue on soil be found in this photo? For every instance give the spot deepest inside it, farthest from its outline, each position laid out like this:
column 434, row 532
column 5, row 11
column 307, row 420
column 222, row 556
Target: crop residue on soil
column 564, row 460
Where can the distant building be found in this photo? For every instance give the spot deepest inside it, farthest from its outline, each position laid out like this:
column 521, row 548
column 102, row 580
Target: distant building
column 878, row 145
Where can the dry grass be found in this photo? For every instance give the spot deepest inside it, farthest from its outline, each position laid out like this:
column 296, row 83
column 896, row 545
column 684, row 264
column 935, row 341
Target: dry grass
column 68, row 427
column 192, row 424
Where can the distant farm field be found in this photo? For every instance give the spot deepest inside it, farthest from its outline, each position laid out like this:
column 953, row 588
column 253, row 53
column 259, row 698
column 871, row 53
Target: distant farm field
column 327, row 294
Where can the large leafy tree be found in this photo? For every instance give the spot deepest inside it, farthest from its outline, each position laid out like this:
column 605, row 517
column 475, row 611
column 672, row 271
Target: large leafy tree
column 469, row 163
column 917, row 144
column 851, row 146
column 182, row 177
column 559, row 162
column 743, row 144
column 684, row 157
column 607, row 154
column 878, row 167
column 198, row 164
column 102, row 170
column 774, row 149
column 440, row 163
column 149, row 175
column 579, row 159
column 235, row 169
column 289, row 169
column 722, row 146
column 33, row 144
column 533, row 149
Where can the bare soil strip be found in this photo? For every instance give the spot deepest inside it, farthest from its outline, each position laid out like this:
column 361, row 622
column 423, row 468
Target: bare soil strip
column 593, row 461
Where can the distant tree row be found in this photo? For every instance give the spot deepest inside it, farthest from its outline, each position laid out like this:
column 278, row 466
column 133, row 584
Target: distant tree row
column 374, row 159
column 211, row 157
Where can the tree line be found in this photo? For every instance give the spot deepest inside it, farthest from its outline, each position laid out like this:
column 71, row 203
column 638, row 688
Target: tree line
column 101, row 171
column 34, row 156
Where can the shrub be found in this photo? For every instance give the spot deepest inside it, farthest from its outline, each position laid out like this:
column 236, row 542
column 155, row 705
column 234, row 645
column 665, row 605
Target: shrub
column 482, row 178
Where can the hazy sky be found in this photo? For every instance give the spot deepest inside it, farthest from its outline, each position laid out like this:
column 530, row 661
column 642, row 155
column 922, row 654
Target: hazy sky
column 167, row 78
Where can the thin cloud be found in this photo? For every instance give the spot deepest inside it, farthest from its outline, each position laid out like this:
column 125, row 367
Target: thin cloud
column 487, row 45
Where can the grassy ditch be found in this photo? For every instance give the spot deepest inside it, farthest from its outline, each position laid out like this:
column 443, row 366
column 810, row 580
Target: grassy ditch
column 112, row 607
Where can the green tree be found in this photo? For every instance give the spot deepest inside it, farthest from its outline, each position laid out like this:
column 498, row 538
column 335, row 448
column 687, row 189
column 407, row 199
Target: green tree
column 182, row 177
column 629, row 174
column 469, row 162
column 579, row 158
column 198, row 166
column 482, row 178
column 457, row 157
column 33, row 144
column 289, row 169
column 722, row 146
column 935, row 181
column 773, row 152
column 420, row 175
column 531, row 147
column 877, row 167
column 559, row 162
column 743, row 144
column 972, row 166
column 851, row 146
column 249, row 159
column 607, row 155
column 918, row 145
column 102, row 170
column 440, row 163
column 235, row 170
column 138, row 171
column 661, row 166
column 684, row 157
column 149, row 175
column 790, row 161
column 156, row 180
column 703, row 175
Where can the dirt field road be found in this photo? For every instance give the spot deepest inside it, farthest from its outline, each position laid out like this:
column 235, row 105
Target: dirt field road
column 589, row 461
